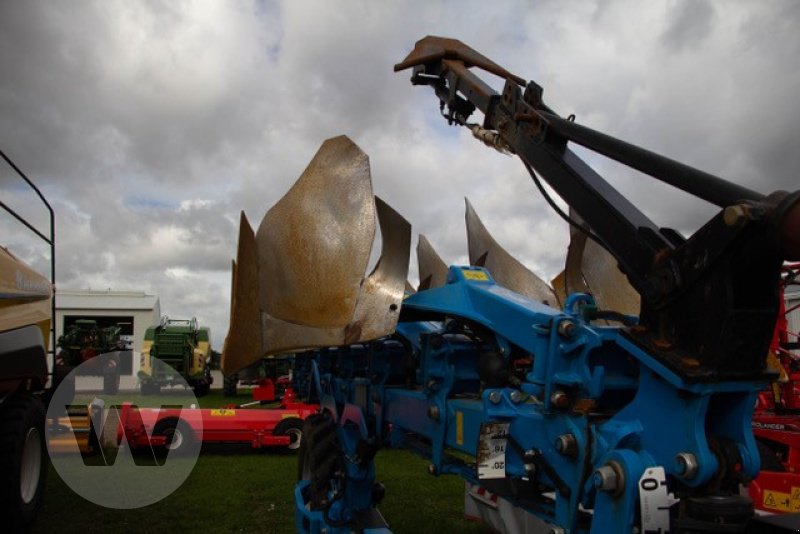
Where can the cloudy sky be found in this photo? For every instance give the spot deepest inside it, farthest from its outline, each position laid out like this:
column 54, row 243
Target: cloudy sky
column 150, row 125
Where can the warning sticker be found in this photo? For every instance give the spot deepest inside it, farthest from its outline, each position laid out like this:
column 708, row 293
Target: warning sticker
column 794, row 503
column 222, row 412
column 475, row 275
column 491, row 455
column 777, row 500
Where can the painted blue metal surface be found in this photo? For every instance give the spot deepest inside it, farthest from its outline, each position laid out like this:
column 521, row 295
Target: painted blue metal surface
column 584, row 398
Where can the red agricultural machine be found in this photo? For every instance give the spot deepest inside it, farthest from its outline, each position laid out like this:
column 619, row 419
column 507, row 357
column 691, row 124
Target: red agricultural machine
column 776, row 422
column 174, row 428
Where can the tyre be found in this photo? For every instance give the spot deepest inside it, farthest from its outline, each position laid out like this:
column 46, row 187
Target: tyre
column 111, row 380
column 201, row 389
column 150, row 388
column 23, row 468
column 292, row 427
column 178, row 433
column 229, row 384
column 319, row 458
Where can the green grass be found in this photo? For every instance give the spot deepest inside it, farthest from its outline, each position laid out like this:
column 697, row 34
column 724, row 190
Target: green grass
column 235, row 490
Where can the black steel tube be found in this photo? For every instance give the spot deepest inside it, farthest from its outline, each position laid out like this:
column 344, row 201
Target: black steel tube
column 51, row 242
column 26, row 223
column 693, row 181
column 29, row 182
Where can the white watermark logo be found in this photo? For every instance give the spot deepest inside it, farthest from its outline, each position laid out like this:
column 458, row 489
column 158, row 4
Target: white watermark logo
column 125, row 450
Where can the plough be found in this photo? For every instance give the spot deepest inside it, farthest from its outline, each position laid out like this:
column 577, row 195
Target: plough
column 617, row 398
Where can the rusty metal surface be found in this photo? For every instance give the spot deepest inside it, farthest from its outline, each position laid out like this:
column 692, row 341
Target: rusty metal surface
column 590, row 268
column 377, row 303
column 560, row 287
column 298, row 282
column 314, row 244
column 432, row 269
column 243, row 343
column 433, row 48
column 507, row 271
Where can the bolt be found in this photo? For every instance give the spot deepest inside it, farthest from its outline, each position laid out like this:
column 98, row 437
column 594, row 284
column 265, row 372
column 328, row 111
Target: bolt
column 566, row 328
column 566, row 444
column 560, row 399
column 433, row 412
column 433, row 385
column 494, row 397
column 605, row 478
column 686, row 464
column 516, row 397
column 529, row 459
column 735, row 215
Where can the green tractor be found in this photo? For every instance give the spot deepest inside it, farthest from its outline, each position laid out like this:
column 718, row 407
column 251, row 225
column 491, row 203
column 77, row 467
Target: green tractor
column 80, row 345
column 174, row 351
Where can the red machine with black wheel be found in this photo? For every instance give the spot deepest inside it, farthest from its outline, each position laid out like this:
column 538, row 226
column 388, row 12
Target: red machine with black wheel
column 776, row 422
column 175, row 427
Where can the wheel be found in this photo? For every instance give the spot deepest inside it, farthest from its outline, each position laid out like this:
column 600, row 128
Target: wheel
column 201, row 389
column 178, row 433
column 111, row 380
column 149, row 387
column 292, row 427
column 22, row 460
column 229, row 384
column 319, row 458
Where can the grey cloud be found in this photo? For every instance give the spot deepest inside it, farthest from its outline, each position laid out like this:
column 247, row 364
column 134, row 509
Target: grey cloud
column 689, row 24
column 123, row 112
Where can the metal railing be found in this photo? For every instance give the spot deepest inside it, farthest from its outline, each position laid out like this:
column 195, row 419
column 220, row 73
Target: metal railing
column 51, row 241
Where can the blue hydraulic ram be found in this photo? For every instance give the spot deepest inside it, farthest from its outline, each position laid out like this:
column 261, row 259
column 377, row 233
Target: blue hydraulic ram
column 593, row 420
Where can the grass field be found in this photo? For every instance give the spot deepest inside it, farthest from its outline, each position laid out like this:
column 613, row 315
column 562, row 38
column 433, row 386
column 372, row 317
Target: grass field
column 233, row 489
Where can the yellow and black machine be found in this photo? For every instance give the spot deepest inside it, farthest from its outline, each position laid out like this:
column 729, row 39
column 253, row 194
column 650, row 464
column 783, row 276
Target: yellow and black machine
column 26, row 312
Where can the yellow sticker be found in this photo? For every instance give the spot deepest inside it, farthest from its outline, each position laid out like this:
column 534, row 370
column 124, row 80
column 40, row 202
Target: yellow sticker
column 460, row 428
column 777, row 500
column 475, row 275
column 288, row 415
column 222, row 412
column 794, row 504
